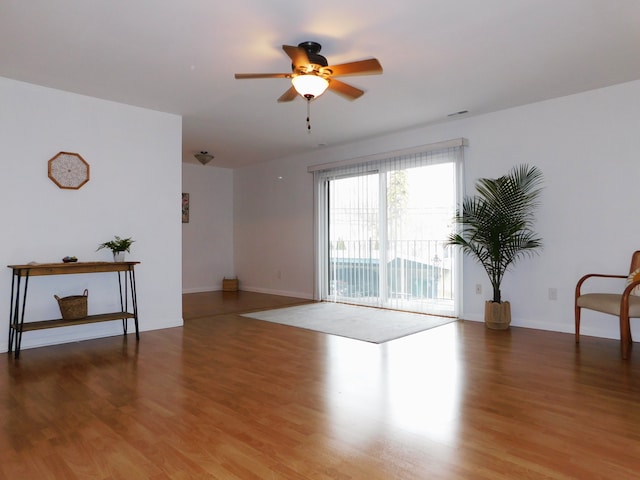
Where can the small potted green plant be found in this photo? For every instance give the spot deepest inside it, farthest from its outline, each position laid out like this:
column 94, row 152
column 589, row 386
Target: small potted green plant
column 118, row 247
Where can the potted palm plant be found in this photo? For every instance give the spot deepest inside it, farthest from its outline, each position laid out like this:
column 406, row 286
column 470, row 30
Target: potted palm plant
column 496, row 230
column 118, row 247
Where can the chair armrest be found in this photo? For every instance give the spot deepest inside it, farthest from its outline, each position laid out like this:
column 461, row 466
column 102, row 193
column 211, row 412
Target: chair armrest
column 630, row 287
column 624, row 301
column 596, row 275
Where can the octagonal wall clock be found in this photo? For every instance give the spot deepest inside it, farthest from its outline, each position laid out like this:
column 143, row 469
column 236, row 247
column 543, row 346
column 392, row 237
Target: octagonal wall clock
column 68, row 170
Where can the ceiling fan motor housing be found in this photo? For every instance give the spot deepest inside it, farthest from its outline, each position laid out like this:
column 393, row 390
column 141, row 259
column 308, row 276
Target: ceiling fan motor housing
column 313, row 49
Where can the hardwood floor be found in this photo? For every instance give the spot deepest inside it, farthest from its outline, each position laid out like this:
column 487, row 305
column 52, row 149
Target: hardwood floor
column 229, row 397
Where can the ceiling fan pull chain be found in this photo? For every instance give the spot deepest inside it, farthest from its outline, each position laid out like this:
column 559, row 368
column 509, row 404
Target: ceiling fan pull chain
column 309, row 115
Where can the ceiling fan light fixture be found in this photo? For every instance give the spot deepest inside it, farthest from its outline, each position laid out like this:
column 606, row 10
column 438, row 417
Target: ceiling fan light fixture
column 310, row 86
column 204, row 157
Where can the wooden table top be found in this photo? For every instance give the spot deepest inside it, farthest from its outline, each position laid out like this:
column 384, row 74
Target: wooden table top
column 33, row 269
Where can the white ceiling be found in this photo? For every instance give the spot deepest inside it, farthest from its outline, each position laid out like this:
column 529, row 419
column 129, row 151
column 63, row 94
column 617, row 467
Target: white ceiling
column 439, row 57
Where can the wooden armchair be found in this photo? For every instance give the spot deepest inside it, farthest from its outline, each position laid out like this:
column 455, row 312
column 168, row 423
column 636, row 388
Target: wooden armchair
column 624, row 305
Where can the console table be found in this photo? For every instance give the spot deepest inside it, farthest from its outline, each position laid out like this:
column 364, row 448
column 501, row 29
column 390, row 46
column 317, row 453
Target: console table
column 20, row 284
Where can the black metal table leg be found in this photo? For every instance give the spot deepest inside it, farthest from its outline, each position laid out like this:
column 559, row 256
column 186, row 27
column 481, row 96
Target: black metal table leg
column 128, row 290
column 12, row 313
column 123, row 299
column 17, row 322
column 134, row 300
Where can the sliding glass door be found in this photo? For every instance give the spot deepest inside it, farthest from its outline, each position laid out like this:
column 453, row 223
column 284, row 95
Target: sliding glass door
column 384, row 227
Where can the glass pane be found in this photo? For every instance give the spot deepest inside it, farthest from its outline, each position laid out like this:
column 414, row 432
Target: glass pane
column 420, row 206
column 354, row 246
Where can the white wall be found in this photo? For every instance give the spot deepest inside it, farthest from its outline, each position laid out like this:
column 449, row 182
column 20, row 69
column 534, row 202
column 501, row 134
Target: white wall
column 586, row 146
column 273, row 211
column 207, row 240
column 134, row 190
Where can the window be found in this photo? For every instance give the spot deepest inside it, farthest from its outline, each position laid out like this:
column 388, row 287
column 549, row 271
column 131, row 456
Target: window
column 382, row 226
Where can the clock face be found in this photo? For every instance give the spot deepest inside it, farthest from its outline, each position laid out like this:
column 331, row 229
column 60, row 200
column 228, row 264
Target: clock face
column 69, row 170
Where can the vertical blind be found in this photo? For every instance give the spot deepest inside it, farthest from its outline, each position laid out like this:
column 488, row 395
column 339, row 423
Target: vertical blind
column 381, row 228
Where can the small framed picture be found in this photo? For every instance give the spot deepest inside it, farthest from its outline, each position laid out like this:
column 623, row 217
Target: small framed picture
column 185, row 208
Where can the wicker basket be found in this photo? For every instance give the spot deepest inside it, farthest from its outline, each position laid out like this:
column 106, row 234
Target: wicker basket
column 230, row 284
column 73, row 307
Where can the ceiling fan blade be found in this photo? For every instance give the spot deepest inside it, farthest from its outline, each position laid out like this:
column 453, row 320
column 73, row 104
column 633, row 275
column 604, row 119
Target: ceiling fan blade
column 363, row 67
column 241, row 76
column 288, row 95
column 348, row 91
column 298, row 55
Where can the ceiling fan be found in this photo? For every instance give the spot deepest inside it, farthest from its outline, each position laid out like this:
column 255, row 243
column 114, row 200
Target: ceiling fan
column 311, row 74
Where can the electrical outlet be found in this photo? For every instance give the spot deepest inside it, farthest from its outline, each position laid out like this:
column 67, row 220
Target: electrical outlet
column 478, row 289
column 553, row 294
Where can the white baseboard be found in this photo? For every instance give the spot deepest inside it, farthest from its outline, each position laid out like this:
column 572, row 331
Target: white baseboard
column 283, row 293
column 201, row 289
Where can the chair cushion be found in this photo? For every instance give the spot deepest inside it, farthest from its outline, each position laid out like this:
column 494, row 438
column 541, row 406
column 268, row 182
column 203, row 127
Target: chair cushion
column 634, row 276
column 609, row 303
